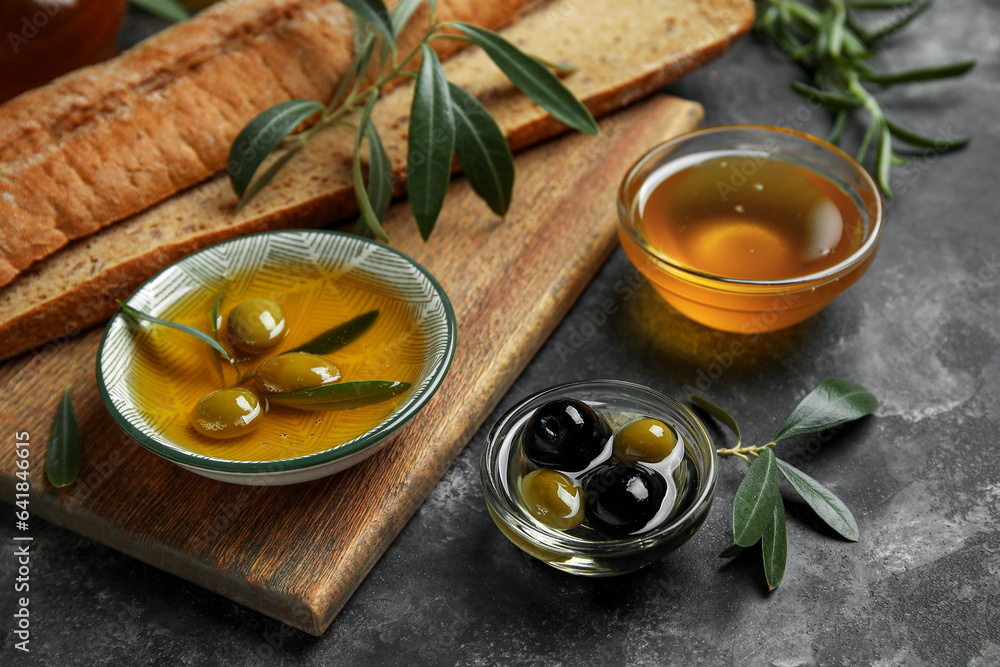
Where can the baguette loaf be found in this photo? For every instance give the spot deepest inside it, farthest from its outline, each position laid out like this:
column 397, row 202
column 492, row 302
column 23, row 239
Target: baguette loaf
column 106, row 142
column 624, row 49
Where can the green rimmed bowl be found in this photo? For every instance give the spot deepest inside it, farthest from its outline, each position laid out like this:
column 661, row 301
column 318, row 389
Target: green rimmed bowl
column 235, row 261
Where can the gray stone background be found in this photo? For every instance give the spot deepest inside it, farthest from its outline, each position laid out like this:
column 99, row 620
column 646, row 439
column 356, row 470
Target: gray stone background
column 921, row 330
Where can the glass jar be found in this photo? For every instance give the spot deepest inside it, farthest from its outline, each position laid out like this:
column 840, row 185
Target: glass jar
column 45, row 38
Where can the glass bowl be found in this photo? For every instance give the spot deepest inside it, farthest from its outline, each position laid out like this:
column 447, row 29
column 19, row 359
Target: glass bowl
column 592, row 556
column 747, row 306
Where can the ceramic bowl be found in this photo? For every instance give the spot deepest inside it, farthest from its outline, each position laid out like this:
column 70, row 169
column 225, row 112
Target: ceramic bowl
column 233, row 262
column 748, row 306
column 582, row 551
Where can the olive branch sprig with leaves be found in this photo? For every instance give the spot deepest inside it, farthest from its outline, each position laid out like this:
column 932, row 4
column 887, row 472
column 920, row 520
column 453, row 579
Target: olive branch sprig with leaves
column 834, row 45
column 444, row 119
column 758, row 510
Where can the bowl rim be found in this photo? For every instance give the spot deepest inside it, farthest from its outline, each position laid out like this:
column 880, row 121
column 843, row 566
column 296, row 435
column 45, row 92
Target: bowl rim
column 721, row 282
column 390, row 425
column 527, row 529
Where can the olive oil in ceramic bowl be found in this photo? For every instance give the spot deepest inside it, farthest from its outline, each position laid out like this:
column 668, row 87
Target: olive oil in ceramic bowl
column 152, row 376
column 749, row 228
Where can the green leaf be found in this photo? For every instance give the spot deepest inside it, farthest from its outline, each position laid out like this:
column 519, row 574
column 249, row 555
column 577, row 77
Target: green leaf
column 191, row 331
column 364, row 44
column 482, row 150
column 883, row 162
column 339, row 336
column 826, row 99
column 732, row 551
column 720, row 414
column 262, row 135
column 775, row 546
column 837, row 131
column 753, row 506
column 923, row 141
column 402, row 13
column 368, row 213
column 62, row 455
column 827, row 506
column 215, row 318
column 374, row 12
column 265, row 178
column 533, row 78
column 832, row 403
column 379, row 174
column 919, row 7
column 340, row 396
column 167, row 9
column 878, row 4
column 947, row 71
column 215, row 323
column 431, row 141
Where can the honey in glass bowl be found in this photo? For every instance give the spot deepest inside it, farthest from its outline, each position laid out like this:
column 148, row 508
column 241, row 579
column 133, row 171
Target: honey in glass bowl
column 749, row 229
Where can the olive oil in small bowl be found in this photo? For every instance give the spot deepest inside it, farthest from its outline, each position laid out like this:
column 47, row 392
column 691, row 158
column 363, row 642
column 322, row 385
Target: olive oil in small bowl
column 598, row 478
column 749, row 228
column 355, row 339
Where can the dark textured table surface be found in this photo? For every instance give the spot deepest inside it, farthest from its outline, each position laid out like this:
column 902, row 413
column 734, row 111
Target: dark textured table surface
column 921, row 330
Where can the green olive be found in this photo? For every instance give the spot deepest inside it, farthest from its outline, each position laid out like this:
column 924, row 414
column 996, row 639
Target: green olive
column 647, row 440
column 227, row 413
column 256, row 325
column 552, row 498
column 293, row 371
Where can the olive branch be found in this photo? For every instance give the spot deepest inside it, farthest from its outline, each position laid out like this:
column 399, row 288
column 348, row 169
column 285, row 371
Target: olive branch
column 444, row 119
column 834, row 46
column 758, row 510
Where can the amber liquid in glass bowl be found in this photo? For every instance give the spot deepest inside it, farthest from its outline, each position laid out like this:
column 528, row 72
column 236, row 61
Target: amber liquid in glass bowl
column 785, row 221
column 749, row 228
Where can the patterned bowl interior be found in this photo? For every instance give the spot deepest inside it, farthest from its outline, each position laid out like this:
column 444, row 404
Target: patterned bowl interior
column 232, row 264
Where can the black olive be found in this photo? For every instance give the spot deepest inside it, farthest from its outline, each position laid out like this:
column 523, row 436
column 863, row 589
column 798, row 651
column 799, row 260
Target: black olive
column 621, row 499
column 565, row 434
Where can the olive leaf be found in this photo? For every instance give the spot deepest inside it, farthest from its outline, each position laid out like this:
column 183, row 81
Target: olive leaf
column 261, row 136
column 402, row 13
column 832, row 403
column 720, row 414
column 339, row 336
column 379, row 173
column 167, row 9
column 753, row 506
column 923, row 141
column 375, row 13
column 482, row 150
column 340, row 396
column 774, row 546
column 532, row 77
column 376, row 176
column 430, row 143
column 827, row 506
column 215, row 323
column 947, row 71
column 732, row 551
column 191, row 331
column 833, row 45
column 63, row 460
column 215, row 318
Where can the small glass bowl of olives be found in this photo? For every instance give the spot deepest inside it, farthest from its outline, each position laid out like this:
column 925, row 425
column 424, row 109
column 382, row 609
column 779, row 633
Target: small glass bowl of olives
column 598, row 478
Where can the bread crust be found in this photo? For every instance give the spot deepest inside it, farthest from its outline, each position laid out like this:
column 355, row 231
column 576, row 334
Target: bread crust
column 78, row 286
column 108, row 141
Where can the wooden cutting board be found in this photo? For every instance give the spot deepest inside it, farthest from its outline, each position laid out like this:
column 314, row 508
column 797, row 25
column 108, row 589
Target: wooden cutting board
column 298, row 552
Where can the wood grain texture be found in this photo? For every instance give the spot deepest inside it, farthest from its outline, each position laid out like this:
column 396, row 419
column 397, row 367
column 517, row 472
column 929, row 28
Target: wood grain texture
column 297, row 553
